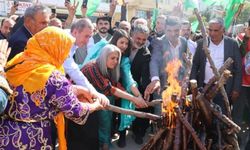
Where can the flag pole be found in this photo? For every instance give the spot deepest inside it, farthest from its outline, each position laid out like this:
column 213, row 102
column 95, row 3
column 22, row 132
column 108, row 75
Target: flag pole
column 236, row 15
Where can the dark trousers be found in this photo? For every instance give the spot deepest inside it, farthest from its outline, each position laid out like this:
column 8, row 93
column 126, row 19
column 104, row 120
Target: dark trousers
column 53, row 134
column 140, row 125
column 241, row 116
column 83, row 137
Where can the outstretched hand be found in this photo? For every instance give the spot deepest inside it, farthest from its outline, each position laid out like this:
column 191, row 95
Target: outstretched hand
column 151, row 88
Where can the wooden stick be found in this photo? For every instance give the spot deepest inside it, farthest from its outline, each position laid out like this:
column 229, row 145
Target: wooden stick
column 219, row 135
column 224, row 119
column 133, row 112
column 154, row 102
column 184, row 86
column 169, row 139
column 184, row 134
column 177, row 135
column 194, row 89
column 209, row 145
column 154, row 139
column 210, row 94
column 225, row 66
column 189, row 128
column 214, row 69
column 210, row 108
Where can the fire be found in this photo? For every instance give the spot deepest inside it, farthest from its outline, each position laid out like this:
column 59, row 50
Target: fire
column 173, row 88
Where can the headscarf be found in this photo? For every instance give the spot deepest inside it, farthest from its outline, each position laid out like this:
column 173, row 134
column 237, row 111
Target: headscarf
column 45, row 52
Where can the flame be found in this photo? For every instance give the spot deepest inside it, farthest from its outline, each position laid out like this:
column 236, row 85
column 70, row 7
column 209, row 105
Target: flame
column 174, row 87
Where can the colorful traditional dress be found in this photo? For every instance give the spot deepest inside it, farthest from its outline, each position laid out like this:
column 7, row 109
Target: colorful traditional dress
column 40, row 92
column 26, row 122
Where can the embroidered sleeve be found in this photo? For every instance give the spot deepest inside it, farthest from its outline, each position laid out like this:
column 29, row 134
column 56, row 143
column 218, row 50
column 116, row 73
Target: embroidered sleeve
column 65, row 100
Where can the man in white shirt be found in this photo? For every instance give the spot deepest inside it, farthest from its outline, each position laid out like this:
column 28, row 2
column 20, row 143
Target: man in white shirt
column 221, row 48
column 82, row 30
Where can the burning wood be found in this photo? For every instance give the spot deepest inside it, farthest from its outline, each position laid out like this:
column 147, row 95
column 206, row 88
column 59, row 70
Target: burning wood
column 185, row 117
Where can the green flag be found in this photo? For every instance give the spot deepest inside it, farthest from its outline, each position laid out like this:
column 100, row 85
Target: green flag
column 194, row 25
column 231, row 9
column 209, row 2
column 154, row 17
column 190, row 4
column 92, row 6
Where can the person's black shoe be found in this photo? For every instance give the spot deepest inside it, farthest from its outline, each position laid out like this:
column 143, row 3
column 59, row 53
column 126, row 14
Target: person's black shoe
column 122, row 139
column 121, row 142
column 138, row 140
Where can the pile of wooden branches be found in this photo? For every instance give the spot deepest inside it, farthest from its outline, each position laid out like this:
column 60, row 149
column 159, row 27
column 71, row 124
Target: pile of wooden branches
column 200, row 125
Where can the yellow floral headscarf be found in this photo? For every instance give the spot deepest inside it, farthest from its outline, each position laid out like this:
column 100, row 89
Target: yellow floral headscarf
column 44, row 53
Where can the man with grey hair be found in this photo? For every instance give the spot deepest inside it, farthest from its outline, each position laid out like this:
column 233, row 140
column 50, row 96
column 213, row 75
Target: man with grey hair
column 82, row 30
column 186, row 33
column 141, row 21
column 55, row 22
column 36, row 18
column 221, row 48
column 140, row 58
column 125, row 25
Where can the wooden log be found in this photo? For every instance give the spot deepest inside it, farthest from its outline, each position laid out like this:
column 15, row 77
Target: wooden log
column 177, row 135
column 210, row 60
column 224, row 118
column 169, row 139
column 211, row 81
column 184, row 134
column 206, row 112
column 133, row 112
column 205, row 98
column 219, row 135
column 210, row 109
column 154, row 139
column 209, row 145
column 189, row 128
column 210, row 94
column 194, row 89
column 188, row 62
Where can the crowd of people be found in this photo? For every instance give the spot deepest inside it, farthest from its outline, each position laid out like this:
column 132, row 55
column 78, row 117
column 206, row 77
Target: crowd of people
column 60, row 76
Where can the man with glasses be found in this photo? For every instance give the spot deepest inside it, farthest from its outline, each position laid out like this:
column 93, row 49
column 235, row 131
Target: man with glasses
column 221, row 48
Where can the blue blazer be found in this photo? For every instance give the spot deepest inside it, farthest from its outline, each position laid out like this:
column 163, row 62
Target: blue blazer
column 18, row 41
